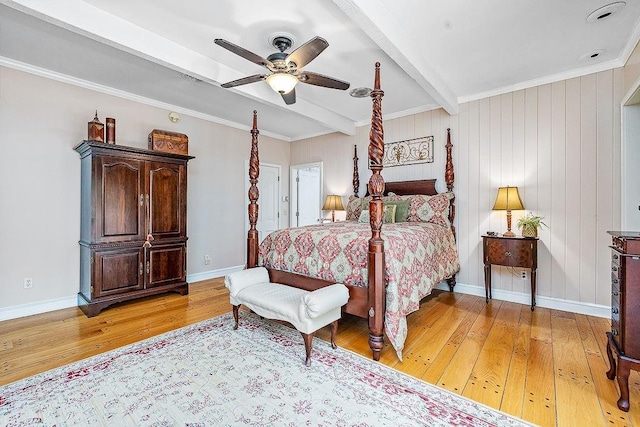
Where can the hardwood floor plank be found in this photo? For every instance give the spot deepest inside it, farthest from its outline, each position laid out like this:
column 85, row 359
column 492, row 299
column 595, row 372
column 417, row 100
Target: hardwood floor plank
column 457, row 374
column 539, row 403
column 442, row 361
column 574, row 384
column 489, row 374
column 424, row 346
column 545, row 361
column 513, row 398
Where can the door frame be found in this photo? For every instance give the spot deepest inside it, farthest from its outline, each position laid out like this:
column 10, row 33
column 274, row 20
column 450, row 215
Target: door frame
column 293, row 189
column 630, row 153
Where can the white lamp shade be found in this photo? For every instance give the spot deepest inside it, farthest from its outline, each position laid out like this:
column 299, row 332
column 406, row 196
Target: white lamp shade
column 282, row 82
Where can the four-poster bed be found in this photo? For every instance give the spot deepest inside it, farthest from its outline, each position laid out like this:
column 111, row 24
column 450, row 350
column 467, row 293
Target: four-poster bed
column 388, row 273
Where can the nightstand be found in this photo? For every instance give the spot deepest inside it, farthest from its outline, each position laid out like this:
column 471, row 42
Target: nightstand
column 510, row 252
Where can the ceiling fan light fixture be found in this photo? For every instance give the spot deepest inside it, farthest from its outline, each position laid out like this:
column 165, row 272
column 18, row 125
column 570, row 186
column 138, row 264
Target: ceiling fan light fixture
column 282, row 82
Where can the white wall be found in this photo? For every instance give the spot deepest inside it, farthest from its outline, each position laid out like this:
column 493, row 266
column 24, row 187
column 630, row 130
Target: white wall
column 41, row 120
column 559, row 143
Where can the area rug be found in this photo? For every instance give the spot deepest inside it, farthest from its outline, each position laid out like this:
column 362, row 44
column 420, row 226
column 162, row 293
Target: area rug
column 211, row 375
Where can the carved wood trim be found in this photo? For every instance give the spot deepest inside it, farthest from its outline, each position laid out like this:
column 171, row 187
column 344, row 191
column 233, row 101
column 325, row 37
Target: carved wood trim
column 449, row 178
column 377, row 292
column 254, row 172
column 356, row 176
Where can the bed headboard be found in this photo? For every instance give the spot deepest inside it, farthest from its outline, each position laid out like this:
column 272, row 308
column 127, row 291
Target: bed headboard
column 402, row 188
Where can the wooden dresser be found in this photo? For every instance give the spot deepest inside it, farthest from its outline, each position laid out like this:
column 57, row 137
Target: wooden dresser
column 623, row 340
column 133, row 226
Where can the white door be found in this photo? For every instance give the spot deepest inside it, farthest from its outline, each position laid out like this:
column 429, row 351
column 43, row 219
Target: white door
column 268, row 200
column 306, row 194
column 308, row 208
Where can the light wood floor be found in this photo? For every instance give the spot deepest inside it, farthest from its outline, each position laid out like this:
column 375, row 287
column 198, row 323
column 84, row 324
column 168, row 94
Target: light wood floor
column 547, row 367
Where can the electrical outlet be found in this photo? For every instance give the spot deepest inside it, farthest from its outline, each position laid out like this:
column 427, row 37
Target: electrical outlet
column 523, row 274
column 28, row 282
column 207, row 260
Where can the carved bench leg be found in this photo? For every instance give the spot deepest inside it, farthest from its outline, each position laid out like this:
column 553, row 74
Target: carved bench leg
column 334, row 332
column 235, row 316
column 308, row 340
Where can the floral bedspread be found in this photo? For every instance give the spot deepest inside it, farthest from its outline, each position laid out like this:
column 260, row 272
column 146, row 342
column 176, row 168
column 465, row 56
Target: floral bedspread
column 418, row 256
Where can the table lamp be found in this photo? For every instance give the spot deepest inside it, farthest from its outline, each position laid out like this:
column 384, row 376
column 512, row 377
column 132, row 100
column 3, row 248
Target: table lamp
column 508, row 199
column 333, row 203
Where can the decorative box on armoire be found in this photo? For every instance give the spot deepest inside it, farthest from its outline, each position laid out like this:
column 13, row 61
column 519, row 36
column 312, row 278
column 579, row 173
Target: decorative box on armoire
column 133, row 227
column 623, row 339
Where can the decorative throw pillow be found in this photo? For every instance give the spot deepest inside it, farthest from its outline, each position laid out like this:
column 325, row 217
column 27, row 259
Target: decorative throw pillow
column 389, row 215
column 402, row 209
column 354, row 207
column 365, row 202
column 433, row 209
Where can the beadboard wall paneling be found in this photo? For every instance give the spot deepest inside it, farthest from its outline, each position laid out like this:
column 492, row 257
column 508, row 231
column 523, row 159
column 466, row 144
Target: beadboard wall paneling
column 559, row 143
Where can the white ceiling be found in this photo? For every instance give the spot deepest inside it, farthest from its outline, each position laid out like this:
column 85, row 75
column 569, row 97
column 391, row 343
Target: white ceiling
column 434, row 53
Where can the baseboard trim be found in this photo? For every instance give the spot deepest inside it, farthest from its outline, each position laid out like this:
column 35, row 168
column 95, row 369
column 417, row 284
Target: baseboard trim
column 212, row 274
column 541, row 301
column 24, row 310
column 17, row 311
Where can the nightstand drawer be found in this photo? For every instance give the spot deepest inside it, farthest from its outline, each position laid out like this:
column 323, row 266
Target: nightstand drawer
column 509, row 252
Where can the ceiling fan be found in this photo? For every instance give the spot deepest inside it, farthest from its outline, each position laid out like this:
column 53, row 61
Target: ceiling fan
column 285, row 67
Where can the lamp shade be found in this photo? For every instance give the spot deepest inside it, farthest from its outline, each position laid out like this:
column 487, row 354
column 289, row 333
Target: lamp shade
column 282, row 82
column 333, row 203
column 508, row 200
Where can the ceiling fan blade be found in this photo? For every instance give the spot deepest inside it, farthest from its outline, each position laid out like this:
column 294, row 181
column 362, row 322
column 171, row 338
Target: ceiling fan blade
column 289, row 98
column 244, row 81
column 324, row 81
column 256, row 59
column 307, row 52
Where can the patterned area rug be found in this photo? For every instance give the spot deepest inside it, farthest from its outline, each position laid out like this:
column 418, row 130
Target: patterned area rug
column 210, row 375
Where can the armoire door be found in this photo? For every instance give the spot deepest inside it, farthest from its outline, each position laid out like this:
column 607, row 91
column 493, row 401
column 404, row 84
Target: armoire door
column 117, row 271
column 167, row 200
column 119, row 211
column 166, row 265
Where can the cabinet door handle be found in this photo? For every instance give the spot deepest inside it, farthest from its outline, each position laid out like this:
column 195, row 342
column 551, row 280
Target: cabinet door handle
column 141, row 200
column 507, row 253
column 148, row 267
column 140, row 271
column 146, row 244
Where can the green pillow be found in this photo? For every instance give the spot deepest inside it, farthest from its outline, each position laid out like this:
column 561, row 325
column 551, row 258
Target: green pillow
column 389, row 215
column 402, row 209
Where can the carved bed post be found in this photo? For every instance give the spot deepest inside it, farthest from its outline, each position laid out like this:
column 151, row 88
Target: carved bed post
column 377, row 291
column 254, row 172
column 356, row 176
column 449, row 178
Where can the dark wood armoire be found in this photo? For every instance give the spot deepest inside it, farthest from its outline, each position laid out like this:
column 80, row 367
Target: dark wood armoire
column 133, row 231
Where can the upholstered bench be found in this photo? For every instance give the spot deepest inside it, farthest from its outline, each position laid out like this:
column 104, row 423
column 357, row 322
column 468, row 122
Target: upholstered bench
column 308, row 311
